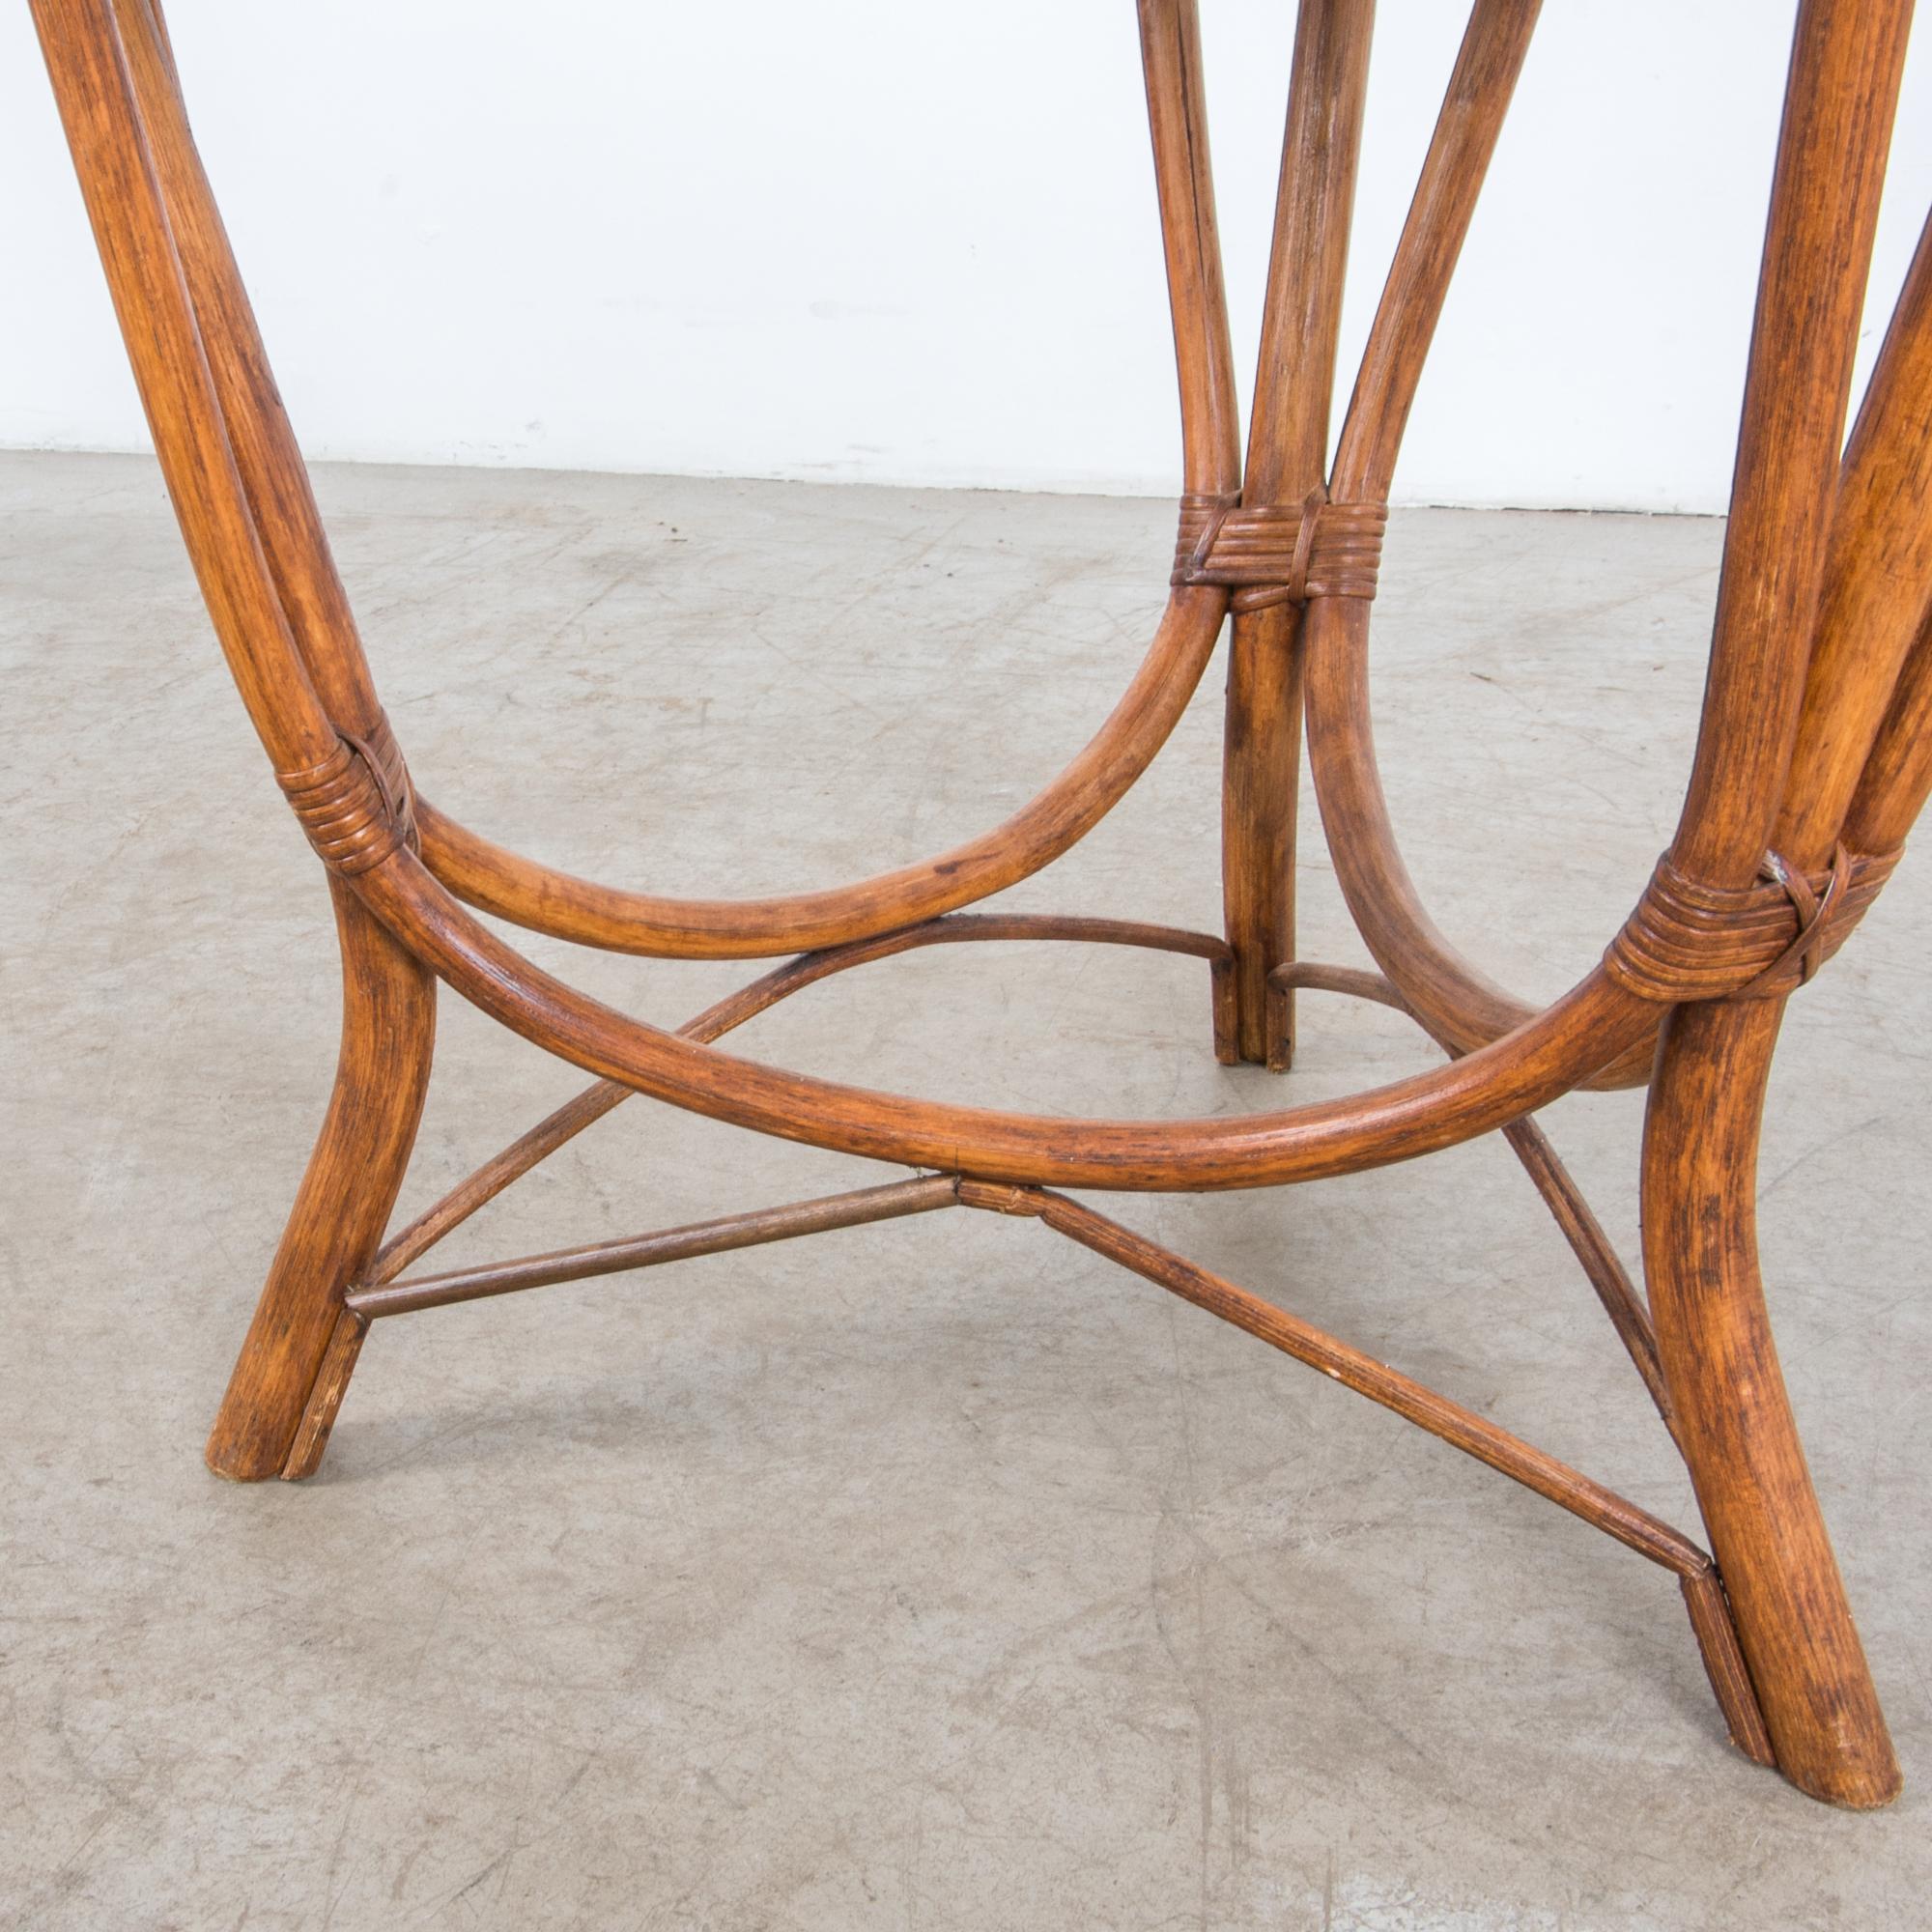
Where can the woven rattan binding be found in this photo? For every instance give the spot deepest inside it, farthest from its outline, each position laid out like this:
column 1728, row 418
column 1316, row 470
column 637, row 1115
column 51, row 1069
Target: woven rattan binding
column 358, row 805
column 1272, row 555
column 1687, row 941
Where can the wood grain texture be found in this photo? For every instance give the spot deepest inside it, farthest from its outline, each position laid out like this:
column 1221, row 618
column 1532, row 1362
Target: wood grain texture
column 1847, row 56
column 325, row 1397
column 388, row 1033
column 1734, row 1419
column 126, row 203
column 1876, row 596
column 1190, row 234
column 267, row 463
column 1717, row 1636
column 1458, row 1001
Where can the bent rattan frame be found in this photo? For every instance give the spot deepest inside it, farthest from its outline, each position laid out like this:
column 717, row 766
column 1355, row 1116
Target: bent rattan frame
column 1814, row 757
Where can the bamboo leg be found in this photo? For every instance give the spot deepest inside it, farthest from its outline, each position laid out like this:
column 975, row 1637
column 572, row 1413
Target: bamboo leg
column 388, row 1031
column 1260, row 782
column 1287, row 451
column 1733, row 1420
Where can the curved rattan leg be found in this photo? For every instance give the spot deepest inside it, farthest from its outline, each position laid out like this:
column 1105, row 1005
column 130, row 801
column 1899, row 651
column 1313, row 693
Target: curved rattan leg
column 388, row 1031
column 1734, row 1419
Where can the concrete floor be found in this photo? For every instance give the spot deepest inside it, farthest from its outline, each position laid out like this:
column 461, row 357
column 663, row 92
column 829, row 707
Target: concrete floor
column 934, row 1574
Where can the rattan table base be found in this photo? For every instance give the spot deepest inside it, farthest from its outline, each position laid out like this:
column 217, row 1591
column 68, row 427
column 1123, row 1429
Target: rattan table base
column 1813, row 760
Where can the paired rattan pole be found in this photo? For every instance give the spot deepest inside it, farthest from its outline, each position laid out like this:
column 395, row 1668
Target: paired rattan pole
column 1877, row 590
column 1733, row 1419
column 1847, row 59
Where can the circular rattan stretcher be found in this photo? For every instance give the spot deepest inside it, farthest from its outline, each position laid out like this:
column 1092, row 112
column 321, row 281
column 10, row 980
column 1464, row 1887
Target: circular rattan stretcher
column 1815, row 756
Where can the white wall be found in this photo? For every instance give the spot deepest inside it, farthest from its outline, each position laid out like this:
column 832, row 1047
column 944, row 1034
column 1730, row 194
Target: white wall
column 912, row 243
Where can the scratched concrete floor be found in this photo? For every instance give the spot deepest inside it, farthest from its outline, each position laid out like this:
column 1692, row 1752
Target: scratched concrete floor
column 926, row 1576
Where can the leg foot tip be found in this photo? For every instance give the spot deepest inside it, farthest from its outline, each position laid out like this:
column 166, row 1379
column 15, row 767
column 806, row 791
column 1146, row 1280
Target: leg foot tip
column 235, row 1466
column 1863, row 1790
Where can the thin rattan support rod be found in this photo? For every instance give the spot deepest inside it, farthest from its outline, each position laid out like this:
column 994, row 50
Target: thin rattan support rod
column 1461, row 1429
column 1552, row 1180
column 1602, row 1508
column 854, row 1209
column 478, row 1189
column 584, row 1110
column 1602, row 1266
